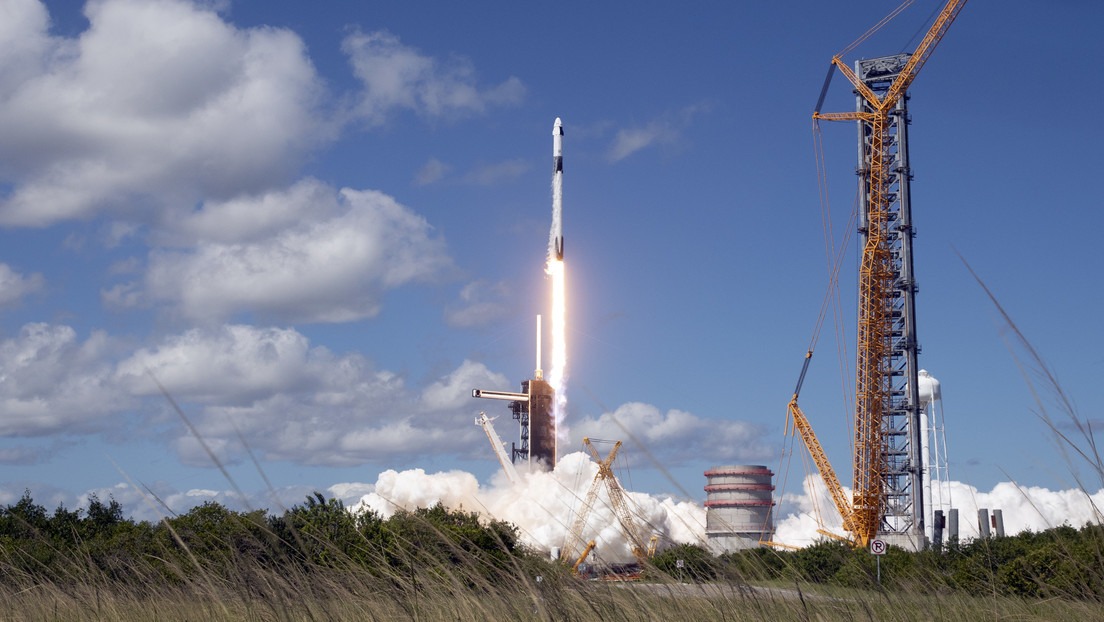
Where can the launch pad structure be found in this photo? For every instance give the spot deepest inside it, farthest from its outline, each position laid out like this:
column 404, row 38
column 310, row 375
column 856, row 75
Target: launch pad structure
column 532, row 409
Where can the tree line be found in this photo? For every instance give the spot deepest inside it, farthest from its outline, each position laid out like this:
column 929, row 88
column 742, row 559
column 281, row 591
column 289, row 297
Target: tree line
column 321, row 542
column 1062, row 562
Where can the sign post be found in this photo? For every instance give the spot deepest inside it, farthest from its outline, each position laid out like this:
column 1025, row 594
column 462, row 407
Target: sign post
column 877, row 549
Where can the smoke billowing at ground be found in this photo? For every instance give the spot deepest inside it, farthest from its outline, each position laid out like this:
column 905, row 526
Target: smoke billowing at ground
column 1024, row 508
column 543, row 504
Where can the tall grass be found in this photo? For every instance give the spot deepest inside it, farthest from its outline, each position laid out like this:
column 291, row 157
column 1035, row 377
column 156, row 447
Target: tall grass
column 424, row 570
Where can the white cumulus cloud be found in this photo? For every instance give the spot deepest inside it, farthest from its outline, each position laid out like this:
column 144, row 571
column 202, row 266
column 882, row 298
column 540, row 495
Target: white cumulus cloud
column 678, row 436
column 333, row 266
column 51, row 382
column 155, row 104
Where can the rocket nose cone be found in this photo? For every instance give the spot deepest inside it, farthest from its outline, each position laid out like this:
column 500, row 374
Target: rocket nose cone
column 557, row 127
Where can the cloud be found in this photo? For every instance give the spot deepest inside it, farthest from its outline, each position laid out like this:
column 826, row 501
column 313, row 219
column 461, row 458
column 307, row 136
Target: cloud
column 677, row 436
column 480, row 304
column 155, row 104
column 453, row 392
column 490, row 174
column 15, row 286
column 304, row 255
column 232, row 364
column 269, row 387
column 51, row 383
column 663, row 131
column 629, row 141
column 291, row 401
column 432, row 172
column 396, row 76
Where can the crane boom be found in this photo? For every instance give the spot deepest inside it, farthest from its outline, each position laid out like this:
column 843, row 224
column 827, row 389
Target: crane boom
column 831, row 482
column 496, row 443
column 620, row 505
column 880, row 279
column 575, row 533
column 618, row 502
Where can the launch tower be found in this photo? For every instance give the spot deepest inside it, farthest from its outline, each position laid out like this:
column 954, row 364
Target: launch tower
column 532, row 409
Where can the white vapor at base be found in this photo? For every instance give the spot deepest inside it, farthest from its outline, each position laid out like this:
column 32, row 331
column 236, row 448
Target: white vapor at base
column 542, row 505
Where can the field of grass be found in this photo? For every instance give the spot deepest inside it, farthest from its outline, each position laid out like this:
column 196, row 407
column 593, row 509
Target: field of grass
column 278, row 597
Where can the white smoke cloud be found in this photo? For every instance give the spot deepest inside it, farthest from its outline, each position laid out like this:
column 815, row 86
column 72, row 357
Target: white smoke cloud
column 1024, row 508
column 155, row 104
column 542, row 505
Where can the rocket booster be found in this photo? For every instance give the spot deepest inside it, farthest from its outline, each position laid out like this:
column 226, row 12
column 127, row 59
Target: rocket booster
column 557, row 192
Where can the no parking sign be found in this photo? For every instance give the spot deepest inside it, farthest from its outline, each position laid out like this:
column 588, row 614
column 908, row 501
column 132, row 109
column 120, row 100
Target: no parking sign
column 877, row 547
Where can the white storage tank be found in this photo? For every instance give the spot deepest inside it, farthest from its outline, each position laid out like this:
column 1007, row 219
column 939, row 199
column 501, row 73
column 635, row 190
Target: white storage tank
column 739, row 500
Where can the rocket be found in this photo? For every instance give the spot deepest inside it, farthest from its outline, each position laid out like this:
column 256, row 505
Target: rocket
column 557, row 191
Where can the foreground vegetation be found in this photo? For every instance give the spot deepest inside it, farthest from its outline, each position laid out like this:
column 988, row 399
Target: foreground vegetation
column 319, row 561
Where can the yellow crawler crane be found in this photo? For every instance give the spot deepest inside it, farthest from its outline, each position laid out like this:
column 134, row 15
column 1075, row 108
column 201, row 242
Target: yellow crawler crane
column 863, row 515
column 606, row 477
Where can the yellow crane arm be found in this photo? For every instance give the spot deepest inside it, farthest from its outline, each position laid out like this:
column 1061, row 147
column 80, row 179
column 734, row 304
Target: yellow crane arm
column 908, row 73
column 923, row 51
column 575, row 533
column 617, row 499
column 582, row 558
column 827, row 473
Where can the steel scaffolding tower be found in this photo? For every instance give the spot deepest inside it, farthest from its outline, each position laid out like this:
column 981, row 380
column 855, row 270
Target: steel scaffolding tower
column 901, row 468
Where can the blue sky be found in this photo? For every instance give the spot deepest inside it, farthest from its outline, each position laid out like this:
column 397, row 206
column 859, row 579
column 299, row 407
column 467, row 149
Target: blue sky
column 320, row 225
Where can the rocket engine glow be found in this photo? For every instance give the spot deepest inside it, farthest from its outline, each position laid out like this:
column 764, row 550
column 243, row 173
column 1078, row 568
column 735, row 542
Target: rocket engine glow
column 557, row 375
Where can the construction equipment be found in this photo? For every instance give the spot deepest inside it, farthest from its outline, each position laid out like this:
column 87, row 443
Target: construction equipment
column 887, row 431
column 496, row 444
column 606, row 477
column 582, row 558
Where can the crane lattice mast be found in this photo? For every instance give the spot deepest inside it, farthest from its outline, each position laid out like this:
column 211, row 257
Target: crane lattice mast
column 887, row 497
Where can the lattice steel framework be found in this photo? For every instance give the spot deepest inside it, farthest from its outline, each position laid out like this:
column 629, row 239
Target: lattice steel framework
column 887, row 323
column 888, row 494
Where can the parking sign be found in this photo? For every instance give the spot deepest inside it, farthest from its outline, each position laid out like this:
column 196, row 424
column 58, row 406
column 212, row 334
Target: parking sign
column 877, row 547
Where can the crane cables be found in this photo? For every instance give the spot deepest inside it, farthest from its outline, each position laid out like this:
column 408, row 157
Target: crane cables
column 875, row 28
column 834, row 258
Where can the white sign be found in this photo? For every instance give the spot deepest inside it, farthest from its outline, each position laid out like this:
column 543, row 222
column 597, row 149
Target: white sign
column 877, row 547
column 679, row 563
